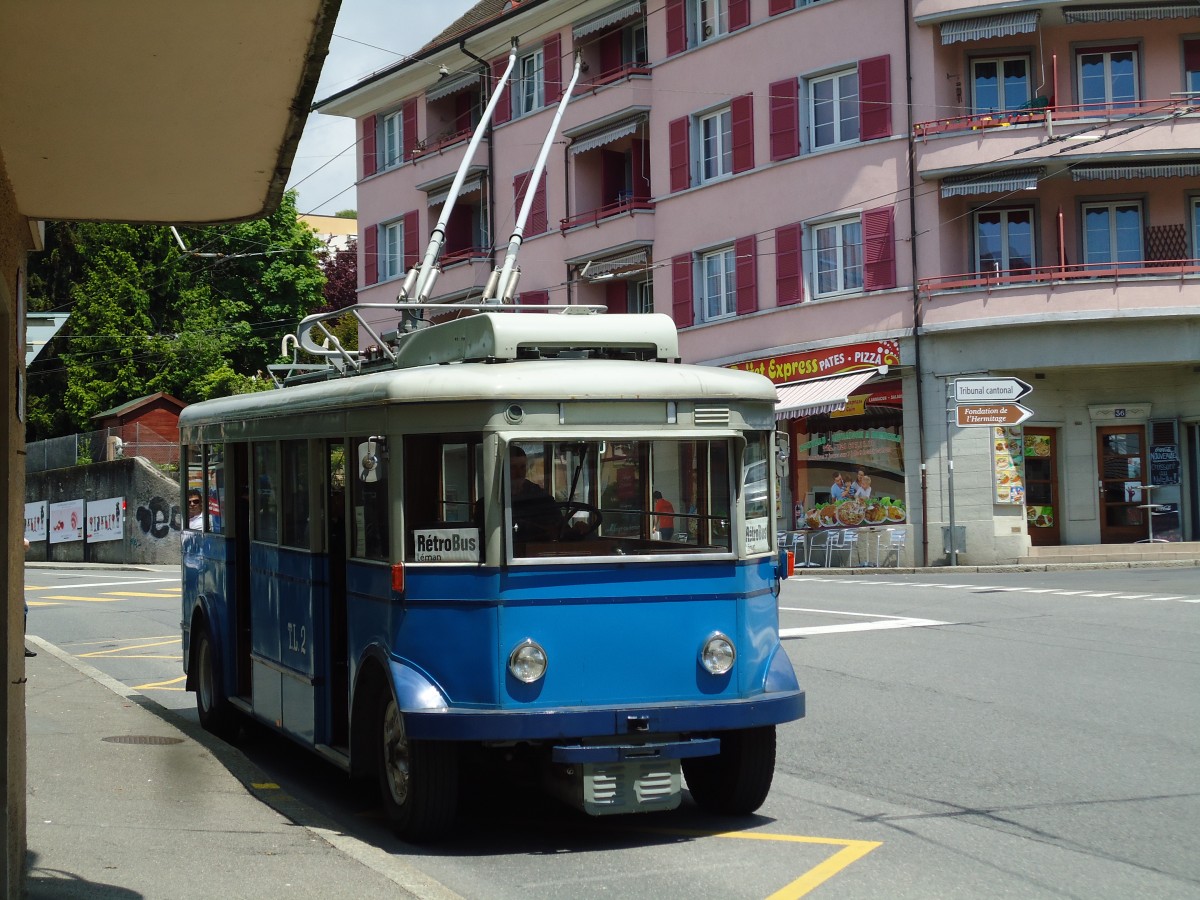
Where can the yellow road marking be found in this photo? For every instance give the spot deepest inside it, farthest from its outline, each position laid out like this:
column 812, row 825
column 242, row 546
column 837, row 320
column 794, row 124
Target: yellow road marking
column 83, row 599
column 157, row 637
column 161, row 685
column 159, row 596
column 42, row 603
column 851, row 852
column 264, row 786
column 122, row 650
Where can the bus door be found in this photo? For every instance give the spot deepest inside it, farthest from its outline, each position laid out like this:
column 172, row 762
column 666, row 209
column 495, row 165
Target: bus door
column 239, row 578
column 335, row 542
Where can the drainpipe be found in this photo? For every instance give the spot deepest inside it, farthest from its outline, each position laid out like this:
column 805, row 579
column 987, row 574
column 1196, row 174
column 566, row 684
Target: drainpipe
column 491, row 155
column 916, row 293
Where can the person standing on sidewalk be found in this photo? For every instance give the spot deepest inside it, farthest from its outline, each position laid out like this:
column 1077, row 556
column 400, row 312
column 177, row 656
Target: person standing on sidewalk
column 28, row 652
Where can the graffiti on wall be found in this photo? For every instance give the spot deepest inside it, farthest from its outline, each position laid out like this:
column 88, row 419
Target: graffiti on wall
column 158, row 518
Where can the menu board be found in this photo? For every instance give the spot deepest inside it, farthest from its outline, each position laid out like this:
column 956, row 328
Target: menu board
column 1008, row 464
column 1164, row 464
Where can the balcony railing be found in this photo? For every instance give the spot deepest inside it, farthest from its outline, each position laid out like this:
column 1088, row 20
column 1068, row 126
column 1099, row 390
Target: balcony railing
column 441, row 142
column 595, row 216
column 464, row 254
column 625, row 70
column 1055, row 274
column 1040, row 112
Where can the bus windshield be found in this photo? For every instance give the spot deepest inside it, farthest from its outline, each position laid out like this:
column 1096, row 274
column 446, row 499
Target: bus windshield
column 618, row 497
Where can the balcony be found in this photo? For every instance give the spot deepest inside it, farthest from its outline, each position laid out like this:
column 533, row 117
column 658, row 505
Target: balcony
column 439, row 143
column 1051, row 275
column 1040, row 112
column 625, row 203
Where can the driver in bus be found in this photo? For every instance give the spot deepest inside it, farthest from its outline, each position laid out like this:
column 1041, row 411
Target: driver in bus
column 536, row 516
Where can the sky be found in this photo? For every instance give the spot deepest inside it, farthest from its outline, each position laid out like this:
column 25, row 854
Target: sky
column 369, row 35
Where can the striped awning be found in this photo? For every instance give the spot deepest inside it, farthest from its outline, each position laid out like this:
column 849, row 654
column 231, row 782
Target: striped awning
column 1132, row 12
column 819, row 395
column 1162, row 170
column 606, row 137
column 612, row 16
column 983, row 27
column 470, row 186
column 618, row 264
column 991, row 183
column 452, row 85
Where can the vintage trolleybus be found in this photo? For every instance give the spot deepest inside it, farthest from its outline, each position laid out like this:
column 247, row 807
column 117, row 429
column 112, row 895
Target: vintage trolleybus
column 527, row 536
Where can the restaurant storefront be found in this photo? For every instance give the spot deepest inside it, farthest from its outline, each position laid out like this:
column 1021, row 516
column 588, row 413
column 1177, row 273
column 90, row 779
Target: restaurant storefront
column 843, row 412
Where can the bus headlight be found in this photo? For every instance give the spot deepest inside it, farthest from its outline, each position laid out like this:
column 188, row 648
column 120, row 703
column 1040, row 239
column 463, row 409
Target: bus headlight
column 528, row 661
column 717, row 654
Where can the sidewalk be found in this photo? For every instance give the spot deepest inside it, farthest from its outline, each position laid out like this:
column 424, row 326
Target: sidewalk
column 127, row 801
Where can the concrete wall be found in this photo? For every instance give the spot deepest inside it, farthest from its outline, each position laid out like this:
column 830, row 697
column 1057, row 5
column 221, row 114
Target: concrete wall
column 152, row 512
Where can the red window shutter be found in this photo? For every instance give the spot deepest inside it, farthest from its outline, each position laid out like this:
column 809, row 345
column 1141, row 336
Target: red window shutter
column 370, row 267
column 683, row 306
column 788, row 265
column 775, row 7
column 411, row 239
column 745, row 252
column 552, row 80
column 368, row 147
column 679, row 154
column 879, row 248
column 1191, row 56
column 409, row 119
column 610, row 54
column 504, row 107
column 464, row 106
column 676, row 26
column 784, row 119
column 616, row 297
column 874, row 98
column 612, row 176
column 742, row 122
column 739, row 14
column 539, row 221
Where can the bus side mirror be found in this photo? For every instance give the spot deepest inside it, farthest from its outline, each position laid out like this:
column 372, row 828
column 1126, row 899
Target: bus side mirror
column 369, row 452
column 783, row 444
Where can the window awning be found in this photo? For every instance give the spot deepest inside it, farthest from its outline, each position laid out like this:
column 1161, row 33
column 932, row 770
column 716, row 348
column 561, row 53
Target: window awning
column 605, row 137
column 991, row 182
column 1162, row 170
column 470, row 186
column 452, row 85
column 617, row 265
column 1130, row 12
column 819, row 395
column 618, row 13
column 983, row 27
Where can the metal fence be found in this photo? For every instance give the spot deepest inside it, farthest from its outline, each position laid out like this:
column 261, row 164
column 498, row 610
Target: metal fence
column 99, row 446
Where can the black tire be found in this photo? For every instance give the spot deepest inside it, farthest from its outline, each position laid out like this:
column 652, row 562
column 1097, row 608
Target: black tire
column 418, row 780
column 216, row 714
column 736, row 781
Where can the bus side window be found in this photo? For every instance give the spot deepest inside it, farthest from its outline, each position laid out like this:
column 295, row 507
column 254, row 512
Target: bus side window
column 214, row 491
column 371, row 532
column 295, row 493
column 442, row 479
column 265, row 494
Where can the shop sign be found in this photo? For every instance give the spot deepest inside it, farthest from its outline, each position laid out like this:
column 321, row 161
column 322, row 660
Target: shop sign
column 1164, row 464
column 1008, row 464
column 788, row 367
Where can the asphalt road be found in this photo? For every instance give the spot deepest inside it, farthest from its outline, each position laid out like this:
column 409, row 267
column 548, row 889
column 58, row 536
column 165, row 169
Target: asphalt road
column 968, row 735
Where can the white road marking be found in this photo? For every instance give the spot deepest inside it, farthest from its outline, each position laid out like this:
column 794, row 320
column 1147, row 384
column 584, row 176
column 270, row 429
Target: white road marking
column 979, row 589
column 879, row 623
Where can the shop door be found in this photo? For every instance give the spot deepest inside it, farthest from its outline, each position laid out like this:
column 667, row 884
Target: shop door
column 1121, row 451
column 1041, row 486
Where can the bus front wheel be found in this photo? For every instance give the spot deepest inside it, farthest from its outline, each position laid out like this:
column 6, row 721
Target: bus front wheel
column 736, row 781
column 418, row 779
column 213, row 709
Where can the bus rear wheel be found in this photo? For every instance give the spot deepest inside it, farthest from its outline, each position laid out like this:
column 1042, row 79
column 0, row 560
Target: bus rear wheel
column 418, row 780
column 737, row 780
column 213, row 709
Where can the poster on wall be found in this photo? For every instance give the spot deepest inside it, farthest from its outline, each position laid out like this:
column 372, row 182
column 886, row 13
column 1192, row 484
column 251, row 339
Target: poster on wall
column 66, row 521
column 1008, row 464
column 106, row 520
column 36, row 517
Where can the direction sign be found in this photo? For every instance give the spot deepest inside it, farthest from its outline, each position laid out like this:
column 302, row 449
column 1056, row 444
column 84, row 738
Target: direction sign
column 992, row 414
column 989, row 390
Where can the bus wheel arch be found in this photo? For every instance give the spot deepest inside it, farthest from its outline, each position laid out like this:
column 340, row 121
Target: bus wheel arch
column 737, row 780
column 215, row 712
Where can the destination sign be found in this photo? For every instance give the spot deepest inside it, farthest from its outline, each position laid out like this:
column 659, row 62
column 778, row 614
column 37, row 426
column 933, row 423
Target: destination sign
column 981, row 415
column 989, row 390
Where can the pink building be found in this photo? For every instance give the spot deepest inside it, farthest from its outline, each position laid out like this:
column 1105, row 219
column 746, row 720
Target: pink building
column 866, row 201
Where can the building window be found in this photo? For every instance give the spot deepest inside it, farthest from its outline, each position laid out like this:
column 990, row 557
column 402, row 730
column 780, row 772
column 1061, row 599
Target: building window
column 643, row 302
column 718, row 284
column 1112, row 233
column 1191, row 66
column 633, row 45
column 833, row 109
column 1195, row 228
column 391, row 140
column 711, row 18
column 391, row 250
column 1107, row 78
column 999, row 84
column 837, row 251
column 1003, row 240
column 529, row 93
column 716, row 144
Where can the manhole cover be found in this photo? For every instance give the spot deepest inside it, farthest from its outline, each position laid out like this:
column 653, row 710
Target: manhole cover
column 142, row 739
